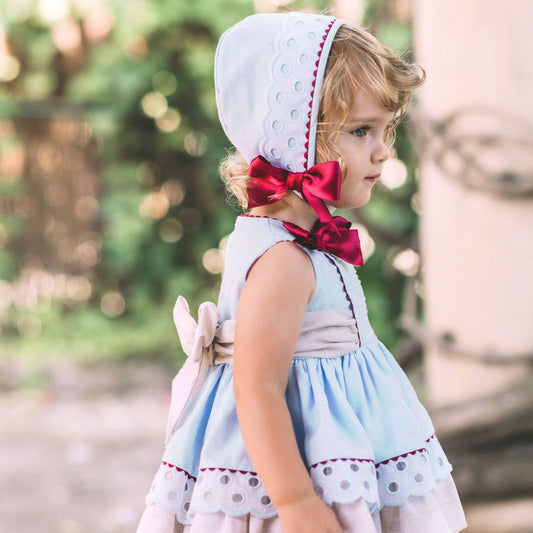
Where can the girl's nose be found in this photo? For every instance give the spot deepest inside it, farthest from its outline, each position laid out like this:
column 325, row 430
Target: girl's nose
column 381, row 152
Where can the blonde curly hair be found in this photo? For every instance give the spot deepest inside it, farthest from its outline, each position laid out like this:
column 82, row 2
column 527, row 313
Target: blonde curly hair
column 357, row 62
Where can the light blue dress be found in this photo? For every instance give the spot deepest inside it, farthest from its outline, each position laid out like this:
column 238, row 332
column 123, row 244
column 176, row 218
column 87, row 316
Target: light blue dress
column 360, row 427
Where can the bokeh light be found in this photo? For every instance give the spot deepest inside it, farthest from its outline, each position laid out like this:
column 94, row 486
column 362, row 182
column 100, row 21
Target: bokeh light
column 171, row 230
column 98, row 22
column 165, row 82
column 50, row 11
column 154, row 104
column 11, row 161
column 9, row 67
column 174, row 190
column 213, row 260
column 86, row 208
column 407, row 262
column 146, row 172
column 170, row 121
column 154, row 205
column 394, row 173
column 78, row 288
column 86, row 254
column 66, row 35
column 112, row 304
column 195, row 143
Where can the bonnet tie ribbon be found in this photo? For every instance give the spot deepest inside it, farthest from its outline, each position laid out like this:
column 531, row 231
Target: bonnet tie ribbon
column 334, row 236
column 268, row 184
column 200, row 341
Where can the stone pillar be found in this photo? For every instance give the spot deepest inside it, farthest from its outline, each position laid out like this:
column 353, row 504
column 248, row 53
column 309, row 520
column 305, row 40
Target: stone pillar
column 477, row 220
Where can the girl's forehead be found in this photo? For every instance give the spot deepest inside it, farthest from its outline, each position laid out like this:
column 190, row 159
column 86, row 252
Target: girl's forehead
column 369, row 107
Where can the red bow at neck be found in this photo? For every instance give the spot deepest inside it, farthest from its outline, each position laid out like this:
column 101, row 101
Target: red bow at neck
column 334, row 236
column 268, row 184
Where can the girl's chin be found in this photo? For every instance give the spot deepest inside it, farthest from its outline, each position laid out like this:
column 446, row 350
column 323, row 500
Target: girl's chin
column 351, row 204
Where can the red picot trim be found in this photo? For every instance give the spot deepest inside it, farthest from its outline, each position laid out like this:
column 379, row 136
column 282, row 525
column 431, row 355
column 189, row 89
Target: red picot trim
column 420, row 450
column 313, row 84
column 234, row 471
column 189, row 476
column 248, row 215
column 403, row 455
column 341, row 459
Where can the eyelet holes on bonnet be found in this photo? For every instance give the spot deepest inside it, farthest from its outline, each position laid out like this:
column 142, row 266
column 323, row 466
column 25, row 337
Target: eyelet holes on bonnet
column 285, row 69
column 277, row 126
column 298, row 87
column 295, row 114
column 281, row 98
column 285, row 53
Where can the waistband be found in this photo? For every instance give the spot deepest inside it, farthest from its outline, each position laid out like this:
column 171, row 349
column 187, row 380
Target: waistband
column 207, row 342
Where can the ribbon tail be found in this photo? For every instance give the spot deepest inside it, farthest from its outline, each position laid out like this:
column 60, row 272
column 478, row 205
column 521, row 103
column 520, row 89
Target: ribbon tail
column 185, row 387
column 318, row 206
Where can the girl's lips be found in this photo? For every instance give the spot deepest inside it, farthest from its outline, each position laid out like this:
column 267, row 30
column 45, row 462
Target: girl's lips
column 373, row 177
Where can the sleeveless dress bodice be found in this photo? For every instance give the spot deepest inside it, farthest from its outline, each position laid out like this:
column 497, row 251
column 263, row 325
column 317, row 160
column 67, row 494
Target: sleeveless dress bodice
column 337, row 284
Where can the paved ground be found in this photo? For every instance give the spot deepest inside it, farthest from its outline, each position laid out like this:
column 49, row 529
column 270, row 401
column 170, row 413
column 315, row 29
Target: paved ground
column 77, row 454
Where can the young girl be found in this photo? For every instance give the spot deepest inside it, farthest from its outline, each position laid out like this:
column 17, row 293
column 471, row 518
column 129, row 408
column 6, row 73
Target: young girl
column 289, row 414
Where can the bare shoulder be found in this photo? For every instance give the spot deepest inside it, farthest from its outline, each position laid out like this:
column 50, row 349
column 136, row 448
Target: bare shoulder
column 284, row 266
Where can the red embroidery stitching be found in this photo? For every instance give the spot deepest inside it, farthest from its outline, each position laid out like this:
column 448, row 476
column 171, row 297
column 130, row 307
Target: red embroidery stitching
column 313, row 84
column 332, row 261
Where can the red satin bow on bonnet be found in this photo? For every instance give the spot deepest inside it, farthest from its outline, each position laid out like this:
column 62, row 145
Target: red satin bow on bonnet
column 268, row 184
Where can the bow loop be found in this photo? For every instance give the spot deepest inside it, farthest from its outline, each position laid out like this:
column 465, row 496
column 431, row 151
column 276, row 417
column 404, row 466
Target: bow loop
column 334, row 236
column 268, row 184
column 196, row 337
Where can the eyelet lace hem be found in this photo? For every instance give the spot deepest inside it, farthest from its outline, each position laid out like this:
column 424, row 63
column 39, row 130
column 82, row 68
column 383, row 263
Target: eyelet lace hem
column 343, row 480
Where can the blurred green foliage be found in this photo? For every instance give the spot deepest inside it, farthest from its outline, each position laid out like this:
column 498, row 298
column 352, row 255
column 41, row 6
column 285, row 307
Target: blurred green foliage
column 164, row 51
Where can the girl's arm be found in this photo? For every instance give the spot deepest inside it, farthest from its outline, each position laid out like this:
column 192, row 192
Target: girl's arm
column 271, row 309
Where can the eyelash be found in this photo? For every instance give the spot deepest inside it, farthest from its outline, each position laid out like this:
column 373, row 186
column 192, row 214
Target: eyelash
column 390, row 127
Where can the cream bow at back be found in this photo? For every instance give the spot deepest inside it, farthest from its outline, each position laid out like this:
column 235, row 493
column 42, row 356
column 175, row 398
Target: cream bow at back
column 205, row 343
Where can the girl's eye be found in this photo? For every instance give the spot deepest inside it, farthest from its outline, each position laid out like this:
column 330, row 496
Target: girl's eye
column 361, row 132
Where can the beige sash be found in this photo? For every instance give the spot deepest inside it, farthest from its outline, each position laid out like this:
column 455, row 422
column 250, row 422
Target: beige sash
column 207, row 343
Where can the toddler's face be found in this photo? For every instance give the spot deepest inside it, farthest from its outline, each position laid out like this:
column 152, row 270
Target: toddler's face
column 361, row 145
